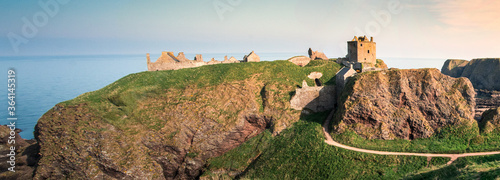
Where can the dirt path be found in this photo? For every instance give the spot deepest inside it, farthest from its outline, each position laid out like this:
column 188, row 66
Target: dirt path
column 452, row 157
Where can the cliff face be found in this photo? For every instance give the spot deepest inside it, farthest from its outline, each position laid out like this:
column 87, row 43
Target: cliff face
column 166, row 124
column 404, row 104
column 483, row 73
column 183, row 134
column 454, row 67
column 26, row 154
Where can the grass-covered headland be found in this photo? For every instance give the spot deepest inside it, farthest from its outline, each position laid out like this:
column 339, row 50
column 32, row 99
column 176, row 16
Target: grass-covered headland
column 123, row 128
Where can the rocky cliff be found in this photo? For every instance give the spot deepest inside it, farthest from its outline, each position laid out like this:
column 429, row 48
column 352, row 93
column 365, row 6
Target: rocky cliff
column 22, row 160
column 490, row 121
column 405, row 104
column 483, row 73
column 166, row 124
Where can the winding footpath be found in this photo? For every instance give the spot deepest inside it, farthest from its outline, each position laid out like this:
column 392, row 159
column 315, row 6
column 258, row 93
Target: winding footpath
column 452, row 157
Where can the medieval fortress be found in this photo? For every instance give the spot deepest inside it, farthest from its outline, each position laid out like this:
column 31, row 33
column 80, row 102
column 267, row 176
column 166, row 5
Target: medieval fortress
column 361, row 56
column 168, row 61
column 361, row 53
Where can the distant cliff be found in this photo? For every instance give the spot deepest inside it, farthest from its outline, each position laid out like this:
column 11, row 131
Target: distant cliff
column 405, row 104
column 483, row 73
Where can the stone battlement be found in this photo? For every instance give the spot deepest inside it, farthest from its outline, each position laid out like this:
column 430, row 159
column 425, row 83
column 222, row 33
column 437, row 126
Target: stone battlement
column 361, row 53
column 168, row 61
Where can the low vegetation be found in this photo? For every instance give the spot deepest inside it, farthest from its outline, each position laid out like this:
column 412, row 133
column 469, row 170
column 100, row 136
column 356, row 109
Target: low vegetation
column 133, row 104
column 300, row 153
column 126, row 95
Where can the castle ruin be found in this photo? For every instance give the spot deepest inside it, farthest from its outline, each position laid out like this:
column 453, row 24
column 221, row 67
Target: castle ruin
column 361, row 53
column 316, row 98
column 168, row 61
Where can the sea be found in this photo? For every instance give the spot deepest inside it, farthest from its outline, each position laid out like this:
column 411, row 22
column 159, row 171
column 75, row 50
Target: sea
column 44, row 81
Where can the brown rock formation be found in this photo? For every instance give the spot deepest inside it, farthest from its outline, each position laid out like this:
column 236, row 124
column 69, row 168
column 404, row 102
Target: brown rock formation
column 454, row 67
column 490, row 121
column 252, row 57
column 26, row 155
column 404, row 104
column 300, row 60
column 483, row 73
column 381, row 64
column 486, row 100
column 316, row 55
column 167, row 136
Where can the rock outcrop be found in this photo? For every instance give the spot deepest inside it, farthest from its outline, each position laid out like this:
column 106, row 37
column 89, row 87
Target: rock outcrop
column 486, row 100
column 483, row 73
column 167, row 135
column 300, row 60
column 381, row 65
column 316, row 55
column 252, row 57
column 454, row 67
column 490, row 121
column 26, row 154
column 405, row 104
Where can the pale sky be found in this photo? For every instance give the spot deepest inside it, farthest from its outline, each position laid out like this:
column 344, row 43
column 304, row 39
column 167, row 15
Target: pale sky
column 462, row 29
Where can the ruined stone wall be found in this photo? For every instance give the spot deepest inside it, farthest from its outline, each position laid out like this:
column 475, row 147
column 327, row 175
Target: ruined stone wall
column 174, row 66
column 313, row 99
column 167, row 61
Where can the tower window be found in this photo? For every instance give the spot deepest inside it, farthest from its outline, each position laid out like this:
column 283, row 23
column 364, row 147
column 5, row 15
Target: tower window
column 361, row 44
column 368, row 51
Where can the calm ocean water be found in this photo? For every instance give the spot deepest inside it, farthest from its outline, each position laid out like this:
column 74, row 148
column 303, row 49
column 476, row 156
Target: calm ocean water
column 42, row 82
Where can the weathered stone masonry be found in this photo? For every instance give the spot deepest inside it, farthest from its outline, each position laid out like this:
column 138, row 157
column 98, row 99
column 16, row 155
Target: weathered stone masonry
column 167, row 61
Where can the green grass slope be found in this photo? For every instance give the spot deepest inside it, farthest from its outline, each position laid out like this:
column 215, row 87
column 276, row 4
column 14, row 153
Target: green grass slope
column 300, row 153
column 122, row 129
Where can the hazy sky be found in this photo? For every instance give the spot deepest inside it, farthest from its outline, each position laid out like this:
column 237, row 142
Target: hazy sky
column 402, row 28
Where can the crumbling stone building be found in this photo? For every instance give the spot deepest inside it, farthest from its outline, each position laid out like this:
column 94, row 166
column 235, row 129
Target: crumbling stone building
column 361, row 53
column 362, row 50
column 168, row 61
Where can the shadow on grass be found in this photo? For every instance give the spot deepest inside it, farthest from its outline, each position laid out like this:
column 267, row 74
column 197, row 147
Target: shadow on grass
column 492, row 174
column 448, row 172
column 319, row 117
column 456, row 170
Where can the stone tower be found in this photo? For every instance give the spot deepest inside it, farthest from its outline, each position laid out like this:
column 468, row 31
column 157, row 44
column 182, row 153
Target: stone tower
column 362, row 50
